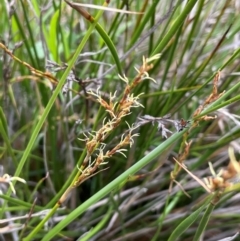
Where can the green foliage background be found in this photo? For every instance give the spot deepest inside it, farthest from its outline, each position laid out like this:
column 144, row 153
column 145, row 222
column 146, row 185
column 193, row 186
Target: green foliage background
column 42, row 124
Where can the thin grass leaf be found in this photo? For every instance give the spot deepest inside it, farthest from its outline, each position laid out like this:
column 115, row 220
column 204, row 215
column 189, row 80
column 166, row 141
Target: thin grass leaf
column 185, row 224
column 53, row 35
column 203, row 222
column 111, row 186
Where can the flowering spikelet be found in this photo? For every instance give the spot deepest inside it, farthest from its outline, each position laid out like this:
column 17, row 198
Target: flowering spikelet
column 226, row 177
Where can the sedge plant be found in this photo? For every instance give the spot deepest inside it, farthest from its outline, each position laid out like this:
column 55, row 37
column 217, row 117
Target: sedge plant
column 119, row 120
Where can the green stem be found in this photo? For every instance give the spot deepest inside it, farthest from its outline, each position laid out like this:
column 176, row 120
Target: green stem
column 174, row 27
column 51, row 101
column 113, row 185
column 205, row 219
column 40, row 225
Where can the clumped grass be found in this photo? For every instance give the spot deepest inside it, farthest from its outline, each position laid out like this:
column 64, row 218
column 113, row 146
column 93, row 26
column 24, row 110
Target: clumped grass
column 119, row 120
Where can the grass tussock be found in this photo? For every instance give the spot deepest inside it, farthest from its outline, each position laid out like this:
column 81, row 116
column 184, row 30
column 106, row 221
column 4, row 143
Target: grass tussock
column 119, row 120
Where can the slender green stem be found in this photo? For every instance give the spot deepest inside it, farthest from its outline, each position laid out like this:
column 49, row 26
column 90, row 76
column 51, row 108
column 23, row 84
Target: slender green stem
column 98, row 226
column 58, row 89
column 40, row 225
column 174, row 27
column 112, row 185
column 204, row 221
